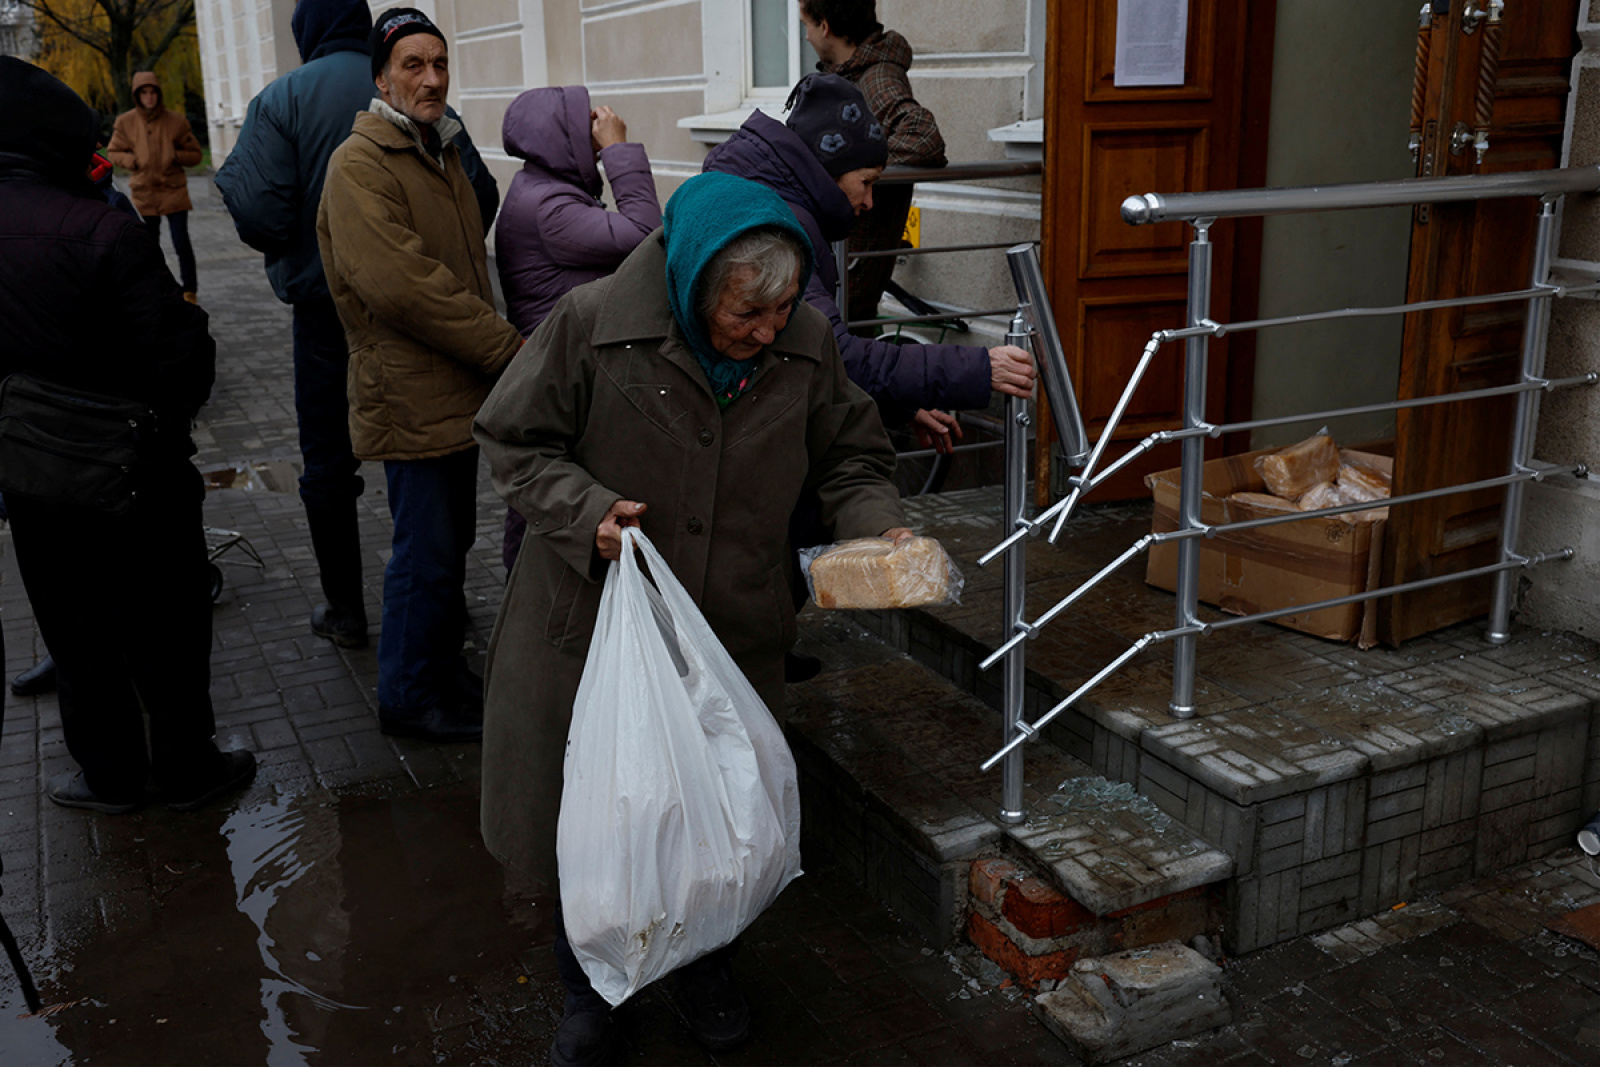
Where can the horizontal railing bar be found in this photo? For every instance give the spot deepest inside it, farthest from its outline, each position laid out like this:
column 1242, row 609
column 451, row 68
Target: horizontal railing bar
column 1169, row 207
column 927, row 250
column 962, row 172
column 1392, row 405
column 1026, row 730
column 1028, row 629
column 1390, row 590
column 1168, row 536
column 923, row 453
column 941, row 317
column 1222, row 329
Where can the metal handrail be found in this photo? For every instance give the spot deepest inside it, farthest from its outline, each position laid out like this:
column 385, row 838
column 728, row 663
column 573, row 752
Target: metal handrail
column 1403, row 192
column 1202, row 209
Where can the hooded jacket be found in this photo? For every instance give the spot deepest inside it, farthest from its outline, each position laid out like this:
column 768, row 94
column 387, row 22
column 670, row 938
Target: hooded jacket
column 401, row 240
column 554, row 233
column 85, row 293
column 879, row 68
column 901, row 378
column 272, row 180
column 155, row 144
column 607, row 402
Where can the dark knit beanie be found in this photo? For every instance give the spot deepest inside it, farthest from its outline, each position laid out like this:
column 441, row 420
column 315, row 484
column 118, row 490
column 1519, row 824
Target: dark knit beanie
column 831, row 116
column 390, row 27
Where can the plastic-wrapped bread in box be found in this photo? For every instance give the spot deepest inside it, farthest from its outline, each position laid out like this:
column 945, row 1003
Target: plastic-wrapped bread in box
column 874, row 573
column 1291, row 471
column 1331, row 495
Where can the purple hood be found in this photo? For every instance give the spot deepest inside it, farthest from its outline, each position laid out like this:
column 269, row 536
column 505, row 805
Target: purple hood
column 550, row 128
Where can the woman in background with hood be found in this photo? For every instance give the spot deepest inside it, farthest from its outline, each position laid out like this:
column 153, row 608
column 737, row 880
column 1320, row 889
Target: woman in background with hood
column 155, row 144
column 553, row 233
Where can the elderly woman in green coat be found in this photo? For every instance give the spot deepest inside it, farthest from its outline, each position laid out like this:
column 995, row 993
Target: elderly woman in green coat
column 694, row 395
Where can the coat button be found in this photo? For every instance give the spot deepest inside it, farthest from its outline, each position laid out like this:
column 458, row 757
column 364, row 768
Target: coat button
column 706, row 437
column 695, row 526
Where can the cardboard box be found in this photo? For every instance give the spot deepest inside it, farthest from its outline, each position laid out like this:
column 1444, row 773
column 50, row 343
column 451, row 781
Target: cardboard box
column 1274, row 566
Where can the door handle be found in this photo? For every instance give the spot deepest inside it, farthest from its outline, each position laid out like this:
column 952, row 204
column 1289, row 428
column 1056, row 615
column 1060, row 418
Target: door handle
column 1488, row 73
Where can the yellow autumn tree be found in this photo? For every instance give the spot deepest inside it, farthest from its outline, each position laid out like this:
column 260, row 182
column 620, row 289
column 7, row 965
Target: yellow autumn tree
column 96, row 47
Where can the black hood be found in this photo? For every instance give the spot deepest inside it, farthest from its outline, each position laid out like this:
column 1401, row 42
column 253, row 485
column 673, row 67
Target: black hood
column 322, row 27
column 46, row 123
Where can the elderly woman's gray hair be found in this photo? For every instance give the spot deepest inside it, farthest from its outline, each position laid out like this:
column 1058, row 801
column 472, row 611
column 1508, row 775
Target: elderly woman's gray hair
column 773, row 259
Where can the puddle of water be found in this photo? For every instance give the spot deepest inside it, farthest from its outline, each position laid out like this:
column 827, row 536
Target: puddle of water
column 304, row 931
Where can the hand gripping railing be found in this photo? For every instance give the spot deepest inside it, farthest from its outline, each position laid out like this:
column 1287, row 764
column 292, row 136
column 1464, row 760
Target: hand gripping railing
column 1201, row 210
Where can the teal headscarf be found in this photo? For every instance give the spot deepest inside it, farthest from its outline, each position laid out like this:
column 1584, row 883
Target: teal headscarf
column 703, row 217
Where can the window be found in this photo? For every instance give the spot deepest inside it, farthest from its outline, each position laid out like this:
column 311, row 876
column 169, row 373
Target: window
column 778, row 52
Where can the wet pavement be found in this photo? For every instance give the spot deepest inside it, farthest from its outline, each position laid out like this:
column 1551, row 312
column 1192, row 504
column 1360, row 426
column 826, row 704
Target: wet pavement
column 343, row 911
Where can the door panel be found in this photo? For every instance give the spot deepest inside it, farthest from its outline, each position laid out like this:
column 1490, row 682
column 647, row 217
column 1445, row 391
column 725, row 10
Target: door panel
column 1112, row 284
column 1512, row 82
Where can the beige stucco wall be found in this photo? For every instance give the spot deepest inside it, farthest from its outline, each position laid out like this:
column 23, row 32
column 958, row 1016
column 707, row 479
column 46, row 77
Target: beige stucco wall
column 1565, row 511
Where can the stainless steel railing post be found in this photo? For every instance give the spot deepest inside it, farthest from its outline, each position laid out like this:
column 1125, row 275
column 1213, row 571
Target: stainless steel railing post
column 1014, row 588
column 1049, row 356
column 1194, row 413
column 1535, row 330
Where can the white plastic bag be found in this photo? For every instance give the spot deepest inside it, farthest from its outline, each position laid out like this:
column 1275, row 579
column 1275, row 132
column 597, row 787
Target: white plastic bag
column 680, row 807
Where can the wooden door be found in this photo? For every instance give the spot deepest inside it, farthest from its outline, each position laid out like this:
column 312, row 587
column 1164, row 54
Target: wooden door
column 1506, row 83
column 1112, row 285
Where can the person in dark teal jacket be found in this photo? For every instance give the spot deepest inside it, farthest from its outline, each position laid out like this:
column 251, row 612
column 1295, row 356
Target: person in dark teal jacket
column 272, row 185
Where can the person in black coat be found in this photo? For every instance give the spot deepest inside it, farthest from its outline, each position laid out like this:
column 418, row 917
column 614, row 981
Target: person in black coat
column 122, row 602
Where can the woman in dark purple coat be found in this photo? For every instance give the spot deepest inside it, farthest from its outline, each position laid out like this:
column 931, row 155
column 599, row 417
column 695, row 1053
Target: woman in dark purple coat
column 553, row 233
column 826, row 195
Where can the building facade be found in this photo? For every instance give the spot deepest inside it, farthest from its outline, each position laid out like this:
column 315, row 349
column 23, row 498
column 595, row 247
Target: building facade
column 684, row 73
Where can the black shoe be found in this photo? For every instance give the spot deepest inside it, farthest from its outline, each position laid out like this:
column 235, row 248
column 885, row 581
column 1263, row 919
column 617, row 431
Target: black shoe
column 238, row 771
column 585, row 1035
column 71, row 791
column 39, row 678
column 347, row 629
column 445, row 723
column 715, row 1009
column 798, row 668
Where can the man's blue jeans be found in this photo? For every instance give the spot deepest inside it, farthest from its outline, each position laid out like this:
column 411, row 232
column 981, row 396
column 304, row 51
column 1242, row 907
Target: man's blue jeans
column 434, row 506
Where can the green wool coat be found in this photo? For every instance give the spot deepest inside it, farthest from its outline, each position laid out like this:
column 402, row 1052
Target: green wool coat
column 605, row 403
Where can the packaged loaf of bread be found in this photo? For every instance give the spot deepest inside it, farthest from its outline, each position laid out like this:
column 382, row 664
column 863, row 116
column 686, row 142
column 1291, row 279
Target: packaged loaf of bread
column 1264, row 502
column 1291, row 471
column 873, row 573
column 1359, row 477
column 1331, row 494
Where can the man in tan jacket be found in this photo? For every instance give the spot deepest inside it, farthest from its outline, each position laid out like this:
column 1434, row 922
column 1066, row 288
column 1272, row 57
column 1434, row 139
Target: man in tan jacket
column 155, row 144
column 402, row 245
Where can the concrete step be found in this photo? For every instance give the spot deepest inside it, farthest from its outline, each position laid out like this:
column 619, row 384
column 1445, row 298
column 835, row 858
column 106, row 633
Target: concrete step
column 889, row 754
column 1341, row 782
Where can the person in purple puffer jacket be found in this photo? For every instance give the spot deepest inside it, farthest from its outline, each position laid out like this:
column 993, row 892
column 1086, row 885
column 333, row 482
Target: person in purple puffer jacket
column 823, row 163
column 553, row 233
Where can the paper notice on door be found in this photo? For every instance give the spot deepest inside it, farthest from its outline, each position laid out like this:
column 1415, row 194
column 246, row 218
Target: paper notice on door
column 1152, row 36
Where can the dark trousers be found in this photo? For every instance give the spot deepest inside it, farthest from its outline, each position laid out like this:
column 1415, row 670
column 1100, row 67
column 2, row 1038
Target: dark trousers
column 434, row 505
column 124, row 605
column 322, row 407
column 881, row 228
column 330, row 484
column 178, row 229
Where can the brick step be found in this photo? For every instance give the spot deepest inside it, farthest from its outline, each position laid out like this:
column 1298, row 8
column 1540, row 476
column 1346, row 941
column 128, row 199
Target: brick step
column 889, row 754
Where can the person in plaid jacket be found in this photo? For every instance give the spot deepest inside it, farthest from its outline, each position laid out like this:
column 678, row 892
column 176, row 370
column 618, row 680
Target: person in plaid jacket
column 851, row 42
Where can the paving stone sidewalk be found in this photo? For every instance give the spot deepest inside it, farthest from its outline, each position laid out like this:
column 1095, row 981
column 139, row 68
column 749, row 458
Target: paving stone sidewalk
column 170, row 939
